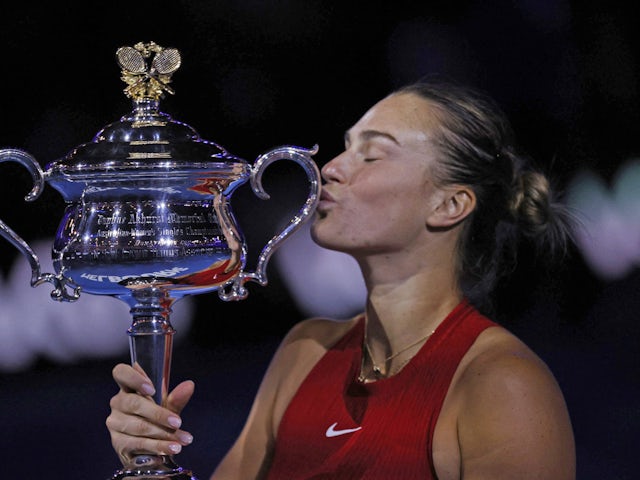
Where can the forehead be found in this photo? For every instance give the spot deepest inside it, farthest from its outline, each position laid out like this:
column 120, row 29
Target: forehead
column 398, row 113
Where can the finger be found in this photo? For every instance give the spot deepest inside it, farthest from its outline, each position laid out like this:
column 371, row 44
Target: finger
column 131, row 435
column 144, row 407
column 142, row 413
column 180, row 396
column 132, row 379
column 128, row 446
column 130, row 426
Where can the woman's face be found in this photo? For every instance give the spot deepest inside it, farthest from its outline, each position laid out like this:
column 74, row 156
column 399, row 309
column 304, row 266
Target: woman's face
column 378, row 192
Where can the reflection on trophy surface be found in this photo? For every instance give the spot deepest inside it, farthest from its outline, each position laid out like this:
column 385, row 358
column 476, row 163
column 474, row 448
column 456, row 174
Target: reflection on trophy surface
column 148, row 220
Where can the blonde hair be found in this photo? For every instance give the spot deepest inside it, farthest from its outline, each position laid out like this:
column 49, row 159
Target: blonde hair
column 515, row 200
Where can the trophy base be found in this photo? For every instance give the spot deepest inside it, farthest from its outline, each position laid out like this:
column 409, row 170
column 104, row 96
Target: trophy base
column 137, row 475
column 153, row 467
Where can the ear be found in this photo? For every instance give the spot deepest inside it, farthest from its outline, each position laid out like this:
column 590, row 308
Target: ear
column 454, row 203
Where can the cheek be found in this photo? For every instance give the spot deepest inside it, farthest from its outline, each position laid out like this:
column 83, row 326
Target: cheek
column 391, row 198
column 347, row 226
column 404, row 213
column 402, row 202
column 375, row 213
column 387, row 218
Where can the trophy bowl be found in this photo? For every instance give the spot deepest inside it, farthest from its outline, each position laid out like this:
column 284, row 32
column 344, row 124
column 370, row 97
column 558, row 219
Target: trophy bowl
column 148, row 220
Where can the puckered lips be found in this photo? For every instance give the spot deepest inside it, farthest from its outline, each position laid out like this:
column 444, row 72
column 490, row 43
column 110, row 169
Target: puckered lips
column 326, row 201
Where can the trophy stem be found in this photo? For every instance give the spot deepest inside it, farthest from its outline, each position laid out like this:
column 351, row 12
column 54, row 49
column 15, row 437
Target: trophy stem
column 151, row 338
column 151, row 343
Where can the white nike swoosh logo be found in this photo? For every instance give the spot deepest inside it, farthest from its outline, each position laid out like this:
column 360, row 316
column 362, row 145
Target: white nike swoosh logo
column 332, row 432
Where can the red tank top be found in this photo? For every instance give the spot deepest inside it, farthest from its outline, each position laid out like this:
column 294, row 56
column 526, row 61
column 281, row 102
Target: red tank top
column 340, row 429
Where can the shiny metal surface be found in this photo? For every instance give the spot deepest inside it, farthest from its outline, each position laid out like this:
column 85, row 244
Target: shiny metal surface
column 64, row 288
column 153, row 467
column 148, row 220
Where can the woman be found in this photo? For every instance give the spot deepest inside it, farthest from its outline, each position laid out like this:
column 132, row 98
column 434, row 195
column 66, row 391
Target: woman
column 430, row 197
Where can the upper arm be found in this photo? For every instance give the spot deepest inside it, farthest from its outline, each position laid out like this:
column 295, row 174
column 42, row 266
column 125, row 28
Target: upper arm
column 513, row 422
column 250, row 455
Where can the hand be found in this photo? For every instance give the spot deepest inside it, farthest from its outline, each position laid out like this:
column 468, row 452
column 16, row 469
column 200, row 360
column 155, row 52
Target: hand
column 137, row 424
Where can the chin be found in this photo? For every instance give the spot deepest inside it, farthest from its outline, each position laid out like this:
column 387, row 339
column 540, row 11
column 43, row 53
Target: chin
column 325, row 233
column 313, row 231
column 320, row 236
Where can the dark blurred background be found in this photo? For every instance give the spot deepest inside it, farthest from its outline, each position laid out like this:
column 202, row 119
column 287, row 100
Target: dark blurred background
column 257, row 74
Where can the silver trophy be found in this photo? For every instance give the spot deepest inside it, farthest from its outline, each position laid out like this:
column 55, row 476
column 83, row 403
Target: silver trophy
column 148, row 220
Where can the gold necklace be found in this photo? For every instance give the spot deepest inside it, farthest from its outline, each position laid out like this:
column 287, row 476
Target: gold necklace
column 377, row 371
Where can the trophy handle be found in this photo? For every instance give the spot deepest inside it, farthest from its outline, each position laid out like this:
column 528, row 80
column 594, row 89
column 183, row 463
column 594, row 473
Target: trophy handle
column 60, row 283
column 302, row 156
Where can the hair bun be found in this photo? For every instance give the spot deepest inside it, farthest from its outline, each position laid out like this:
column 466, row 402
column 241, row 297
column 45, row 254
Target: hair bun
column 531, row 201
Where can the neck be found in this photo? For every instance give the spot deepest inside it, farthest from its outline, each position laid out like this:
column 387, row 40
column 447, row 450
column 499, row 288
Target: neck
column 410, row 291
column 399, row 313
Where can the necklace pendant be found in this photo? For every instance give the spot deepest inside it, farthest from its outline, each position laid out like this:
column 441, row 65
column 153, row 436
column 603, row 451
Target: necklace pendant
column 376, row 371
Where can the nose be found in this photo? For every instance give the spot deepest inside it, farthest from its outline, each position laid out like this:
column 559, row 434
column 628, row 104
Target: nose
column 332, row 170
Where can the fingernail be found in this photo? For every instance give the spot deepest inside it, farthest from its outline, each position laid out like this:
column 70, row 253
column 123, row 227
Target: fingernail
column 175, row 447
column 174, row 421
column 147, row 389
column 185, row 438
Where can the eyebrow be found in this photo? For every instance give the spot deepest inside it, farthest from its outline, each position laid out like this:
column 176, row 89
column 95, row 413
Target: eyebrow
column 369, row 134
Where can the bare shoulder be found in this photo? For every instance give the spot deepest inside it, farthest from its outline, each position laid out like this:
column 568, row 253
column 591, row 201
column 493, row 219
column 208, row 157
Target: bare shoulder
column 305, row 344
column 321, row 331
column 512, row 417
column 299, row 352
column 499, row 356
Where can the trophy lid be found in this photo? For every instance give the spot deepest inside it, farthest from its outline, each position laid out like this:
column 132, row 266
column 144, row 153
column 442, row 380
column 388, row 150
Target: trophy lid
column 146, row 140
